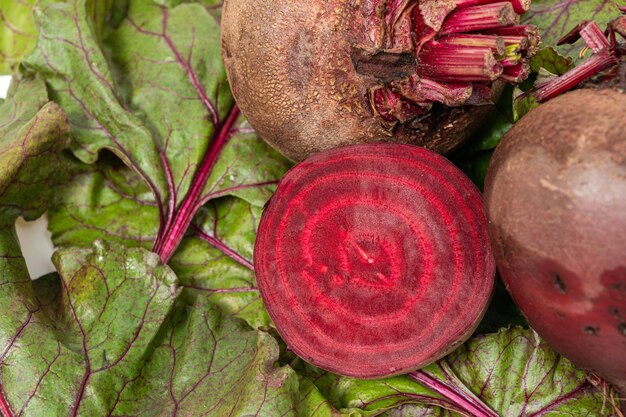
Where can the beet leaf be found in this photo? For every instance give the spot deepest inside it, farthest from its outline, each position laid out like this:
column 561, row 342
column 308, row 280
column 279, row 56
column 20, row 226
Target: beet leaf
column 102, row 340
column 137, row 91
column 153, row 91
column 32, row 133
column 511, row 373
column 81, row 342
column 108, row 202
column 555, row 18
column 17, row 33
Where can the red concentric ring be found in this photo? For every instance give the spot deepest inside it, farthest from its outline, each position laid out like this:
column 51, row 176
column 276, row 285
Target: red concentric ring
column 374, row 260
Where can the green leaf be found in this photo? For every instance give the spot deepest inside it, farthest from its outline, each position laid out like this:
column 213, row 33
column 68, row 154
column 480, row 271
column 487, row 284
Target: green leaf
column 551, row 60
column 103, row 340
column 203, row 268
column 512, row 373
column 207, row 364
column 94, row 339
column 17, row 33
column 103, row 201
column 488, row 136
column 213, row 6
column 412, row 410
column 369, row 397
column 154, row 92
column 531, row 377
column 476, row 166
column 523, row 103
column 313, row 404
column 32, row 133
column 248, row 168
column 107, row 202
column 69, row 56
column 78, row 349
column 555, row 18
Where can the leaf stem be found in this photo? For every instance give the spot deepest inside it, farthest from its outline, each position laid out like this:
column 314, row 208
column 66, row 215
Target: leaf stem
column 165, row 224
column 520, row 6
column 594, row 37
column 587, row 69
column 486, row 16
column 560, row 400
column 231, row 253
column 465, row 402
column 212, row 291
column 187, row 66
column 173, row 235
column 5, row 410
column 458, row 63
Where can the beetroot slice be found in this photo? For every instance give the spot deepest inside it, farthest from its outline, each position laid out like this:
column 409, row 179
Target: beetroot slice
column 374, row 260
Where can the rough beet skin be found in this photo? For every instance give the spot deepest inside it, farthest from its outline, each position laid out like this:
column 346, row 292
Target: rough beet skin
column 555, row 198
column 312, row 75
column 374, row 260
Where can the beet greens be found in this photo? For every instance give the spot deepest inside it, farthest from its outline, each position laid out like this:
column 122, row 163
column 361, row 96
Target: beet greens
column 121, row 126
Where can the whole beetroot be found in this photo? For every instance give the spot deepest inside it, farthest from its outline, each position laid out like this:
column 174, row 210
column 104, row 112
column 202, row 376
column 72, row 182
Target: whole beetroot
column 555, row 198
column 311, row 74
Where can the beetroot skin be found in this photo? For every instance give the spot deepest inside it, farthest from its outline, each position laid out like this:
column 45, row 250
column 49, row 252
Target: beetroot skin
column 555, row 198
column 312, row 75
column 374, row 260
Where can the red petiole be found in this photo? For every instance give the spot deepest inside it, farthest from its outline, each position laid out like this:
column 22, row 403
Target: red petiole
column 228, row 251
column 478, row 41
column 170, row 237
column 605, row 56
column 5, row 411
column 469, row 405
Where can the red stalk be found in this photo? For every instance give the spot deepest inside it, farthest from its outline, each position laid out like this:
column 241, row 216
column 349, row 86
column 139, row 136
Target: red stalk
column 448, row 63
column 384, row 101
column 174, row 234
column 573, row 35
column 449, row 94
column 523, row 30
column 594, row 37
column 482, row 17
column 425, row 91
column 395, row 9
column 575, row 76
column 223, row 248
column 529, row 32
column 617, row 26
column 5, row 410
column 516, row 73
column 520, row 6
column 495, row 43
column 474, row 406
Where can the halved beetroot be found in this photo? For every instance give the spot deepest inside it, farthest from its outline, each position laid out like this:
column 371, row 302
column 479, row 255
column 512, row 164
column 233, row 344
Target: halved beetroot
column 374, row 260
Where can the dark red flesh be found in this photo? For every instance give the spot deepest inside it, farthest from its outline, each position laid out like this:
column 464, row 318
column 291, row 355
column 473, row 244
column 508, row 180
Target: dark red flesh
column 374, row 260
column 555, row 198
